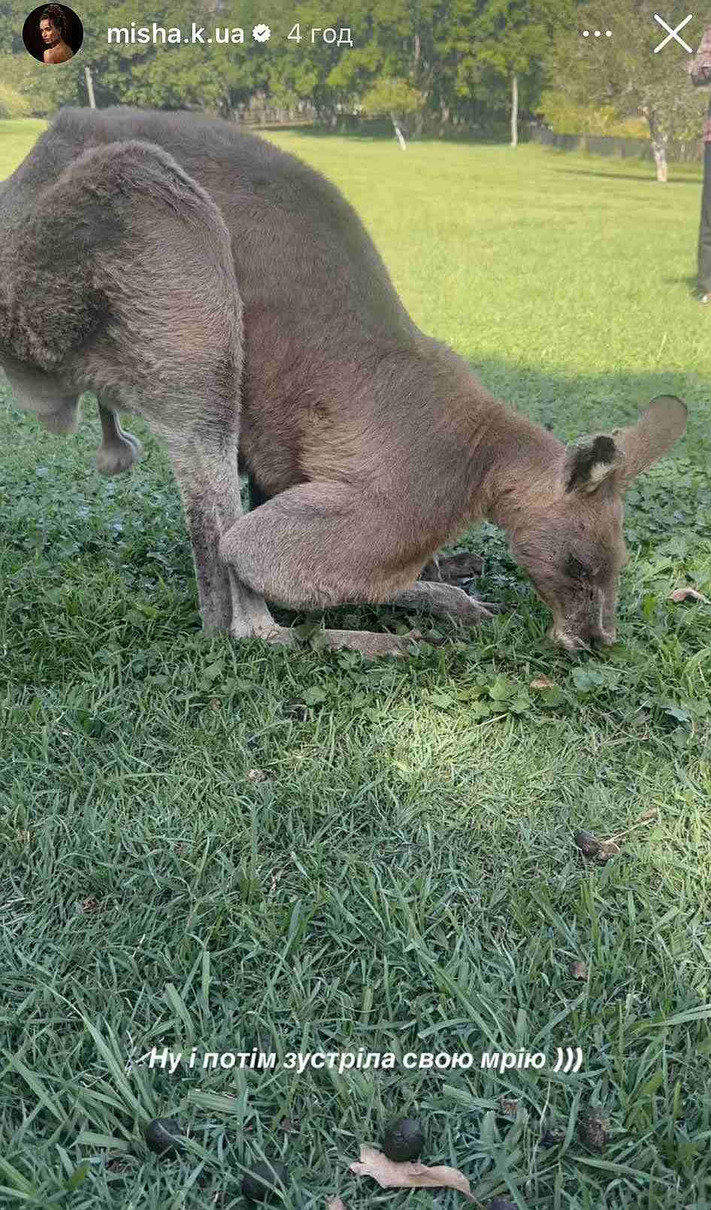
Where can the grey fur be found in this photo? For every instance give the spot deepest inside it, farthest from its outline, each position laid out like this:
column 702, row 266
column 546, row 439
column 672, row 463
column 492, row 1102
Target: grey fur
column 227, row 293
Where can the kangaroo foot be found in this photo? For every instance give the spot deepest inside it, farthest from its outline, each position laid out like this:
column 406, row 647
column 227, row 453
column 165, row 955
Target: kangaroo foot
column 447, row 599
column 373, row 646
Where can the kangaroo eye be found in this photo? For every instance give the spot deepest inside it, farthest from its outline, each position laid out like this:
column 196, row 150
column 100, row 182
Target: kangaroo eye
column 576, row 570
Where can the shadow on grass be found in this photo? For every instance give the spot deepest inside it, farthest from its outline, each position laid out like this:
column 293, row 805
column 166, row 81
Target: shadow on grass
column 689, row 280
column 570, row 405
column 383, row 133
column 127, row 540
column 629, row 176
column 567, row 405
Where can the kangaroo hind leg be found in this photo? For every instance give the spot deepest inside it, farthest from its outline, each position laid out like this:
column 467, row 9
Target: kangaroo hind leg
column 155, row 327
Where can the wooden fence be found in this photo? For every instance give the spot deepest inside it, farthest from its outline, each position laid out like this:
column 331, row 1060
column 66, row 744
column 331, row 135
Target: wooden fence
column 609, row 145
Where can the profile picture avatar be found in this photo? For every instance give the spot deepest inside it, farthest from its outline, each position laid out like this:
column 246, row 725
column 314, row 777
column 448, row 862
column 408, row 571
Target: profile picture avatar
column 52, row 33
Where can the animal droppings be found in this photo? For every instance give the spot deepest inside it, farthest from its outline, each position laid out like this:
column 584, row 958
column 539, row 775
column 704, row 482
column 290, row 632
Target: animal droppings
column 162, row 1135
column 259, row 1184
column 594, row 849
column 403, row 1140
column 593, row 1131
column 588, row 844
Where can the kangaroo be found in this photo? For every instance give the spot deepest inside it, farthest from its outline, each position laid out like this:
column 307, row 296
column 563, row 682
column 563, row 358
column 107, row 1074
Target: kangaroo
column 196, row 275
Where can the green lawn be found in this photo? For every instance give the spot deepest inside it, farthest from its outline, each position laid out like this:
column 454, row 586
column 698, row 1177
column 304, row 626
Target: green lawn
column 401, row 874
column 16, row 139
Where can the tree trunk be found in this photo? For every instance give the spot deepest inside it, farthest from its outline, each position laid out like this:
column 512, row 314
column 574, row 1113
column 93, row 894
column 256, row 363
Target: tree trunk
column 514, row 111
column 398, row 132
column 659, row 149
column 90, row 88
column 659, row 145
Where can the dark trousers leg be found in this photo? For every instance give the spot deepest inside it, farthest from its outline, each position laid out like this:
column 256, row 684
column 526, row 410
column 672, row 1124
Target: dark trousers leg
column 705, row 229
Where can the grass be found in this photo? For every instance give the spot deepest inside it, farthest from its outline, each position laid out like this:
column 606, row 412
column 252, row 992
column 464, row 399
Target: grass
column 217, row 846
column 16, row 139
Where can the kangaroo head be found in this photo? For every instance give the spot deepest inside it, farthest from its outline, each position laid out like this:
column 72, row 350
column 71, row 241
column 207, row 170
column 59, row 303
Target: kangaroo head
column 569, row 537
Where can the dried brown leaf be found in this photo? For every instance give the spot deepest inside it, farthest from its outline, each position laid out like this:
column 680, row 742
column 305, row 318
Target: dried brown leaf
column 579, row 970
column 542, row 682
column 509, row 1106
column 688, row 594
column 409, row 1175
column 651, row 815
column 335, row 1203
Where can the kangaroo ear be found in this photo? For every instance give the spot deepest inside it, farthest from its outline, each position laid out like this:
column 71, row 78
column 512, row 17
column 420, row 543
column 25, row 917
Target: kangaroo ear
column 661, row 424
column 589, row 462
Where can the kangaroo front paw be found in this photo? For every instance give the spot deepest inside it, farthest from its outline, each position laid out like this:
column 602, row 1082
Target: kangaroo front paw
column 480, row 611
column 119, row 456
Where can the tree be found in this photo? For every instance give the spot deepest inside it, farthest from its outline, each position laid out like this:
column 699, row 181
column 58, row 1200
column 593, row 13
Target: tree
column 12, row 103
column 512, row 38
column 12, row 18
column 395, row 97
column 568, row 117
column 428, row 44
column 214, row 76
column 141, row 73
column 459, row 58
column 624, row 72
column 393, row 56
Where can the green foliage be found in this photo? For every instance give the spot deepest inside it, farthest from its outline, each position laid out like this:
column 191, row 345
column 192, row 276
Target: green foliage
column 12, row 18
column 492, row 41
column 25, row 77
column 622, row 73
column 444, row 60
column 391, row 96
column 12, row 103
column 452, row 60
column 565, row 116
